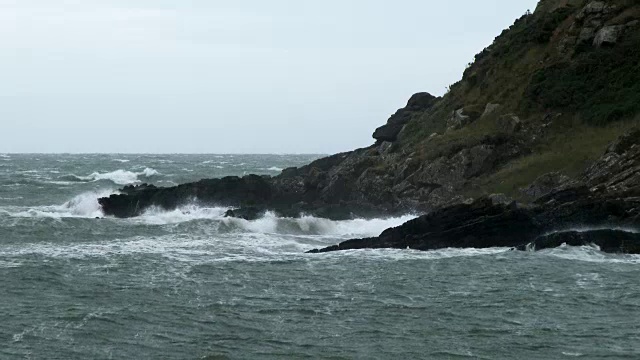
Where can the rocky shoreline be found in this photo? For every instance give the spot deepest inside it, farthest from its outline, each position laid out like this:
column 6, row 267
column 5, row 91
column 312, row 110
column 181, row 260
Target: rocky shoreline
column 604, row 204
column 512, row 156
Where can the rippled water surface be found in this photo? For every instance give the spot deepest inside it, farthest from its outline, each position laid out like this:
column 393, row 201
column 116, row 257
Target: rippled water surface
column 191, row 284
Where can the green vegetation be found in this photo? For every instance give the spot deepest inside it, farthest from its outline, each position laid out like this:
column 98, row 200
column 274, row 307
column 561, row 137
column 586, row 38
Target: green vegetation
column 569, row 150
column 602, row 85
column 537, row 71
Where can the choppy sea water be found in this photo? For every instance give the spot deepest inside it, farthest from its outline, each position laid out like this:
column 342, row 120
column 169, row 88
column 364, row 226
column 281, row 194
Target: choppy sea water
column 190, row 284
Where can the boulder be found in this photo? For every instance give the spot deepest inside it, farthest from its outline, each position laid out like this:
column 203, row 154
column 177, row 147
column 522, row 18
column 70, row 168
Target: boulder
column 608, row 35
column 490, row 109
column 459, row 120
column 420, row 101
column 246, row 213
column 388, row 133
column 417, row 103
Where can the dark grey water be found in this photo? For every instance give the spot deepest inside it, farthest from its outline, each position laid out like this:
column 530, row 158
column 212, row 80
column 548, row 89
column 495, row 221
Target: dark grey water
column 191, row 284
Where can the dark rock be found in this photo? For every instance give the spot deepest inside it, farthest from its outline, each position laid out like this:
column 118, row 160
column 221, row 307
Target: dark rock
column 388, row 132
column 228, row 191
column 625, row 142
column 608, row 35
column 509, row 123
column 246, row 213
column 546, row 184
column 481, row 224
column 417, row 103
column 608, row 240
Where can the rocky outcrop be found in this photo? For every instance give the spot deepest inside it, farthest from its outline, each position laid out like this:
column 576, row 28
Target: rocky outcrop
column 608, row 35
column 608, row 196
column 480, row 224
column 417, row 103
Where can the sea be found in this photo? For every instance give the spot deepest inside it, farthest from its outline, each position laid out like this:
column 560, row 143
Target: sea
column 192, row 284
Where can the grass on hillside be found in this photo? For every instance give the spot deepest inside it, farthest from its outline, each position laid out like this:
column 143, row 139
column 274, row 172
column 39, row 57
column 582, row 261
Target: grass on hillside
column 569, row 151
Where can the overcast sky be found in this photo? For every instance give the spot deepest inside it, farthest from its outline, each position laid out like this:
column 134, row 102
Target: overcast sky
column 227, row 76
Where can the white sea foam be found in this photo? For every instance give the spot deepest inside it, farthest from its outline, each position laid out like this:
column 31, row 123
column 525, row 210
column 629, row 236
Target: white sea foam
column 120, row 177
column 589, row 254
column 274, row 168
column 270, row 223
column 227, row 248
column 158, row 216
column 121, row 160
column 84, row 205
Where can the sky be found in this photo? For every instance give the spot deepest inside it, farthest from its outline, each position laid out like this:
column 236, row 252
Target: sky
column 227, row 76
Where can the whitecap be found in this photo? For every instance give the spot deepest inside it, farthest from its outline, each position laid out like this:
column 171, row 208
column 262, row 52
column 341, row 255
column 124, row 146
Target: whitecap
column 273, row 168
column 590, row 254
column 158, row 216
column 84, row 205
column 121, row 160
column 271, row 223
column 120, row 177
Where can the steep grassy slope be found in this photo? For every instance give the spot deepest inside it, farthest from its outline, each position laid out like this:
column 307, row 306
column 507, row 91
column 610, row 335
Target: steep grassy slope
column 572, row 94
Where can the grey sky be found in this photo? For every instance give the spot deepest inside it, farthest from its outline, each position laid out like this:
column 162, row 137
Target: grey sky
column 227, row 76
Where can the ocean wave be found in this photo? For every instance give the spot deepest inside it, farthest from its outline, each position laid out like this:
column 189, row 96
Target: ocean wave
column 119, row 177
column 121, row 160
column 84, row 205
column 271, row 223
column 273, row 168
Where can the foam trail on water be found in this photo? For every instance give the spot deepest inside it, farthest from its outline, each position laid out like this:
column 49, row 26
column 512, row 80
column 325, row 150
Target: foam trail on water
column 120, row 177
column 231, row 248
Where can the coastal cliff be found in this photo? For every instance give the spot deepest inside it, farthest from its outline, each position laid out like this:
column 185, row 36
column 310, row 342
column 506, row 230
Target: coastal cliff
column 530, row 117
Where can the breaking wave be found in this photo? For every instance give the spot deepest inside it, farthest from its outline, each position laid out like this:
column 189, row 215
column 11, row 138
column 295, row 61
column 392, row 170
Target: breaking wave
column 84, row 205
column 270, row 223
column 119, row 177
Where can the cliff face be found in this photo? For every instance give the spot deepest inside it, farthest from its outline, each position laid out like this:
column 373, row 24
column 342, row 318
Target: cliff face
column 534, row 109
